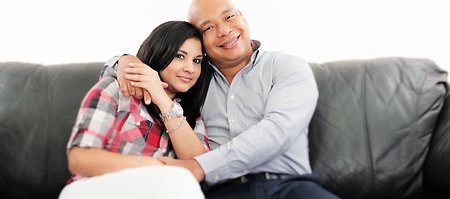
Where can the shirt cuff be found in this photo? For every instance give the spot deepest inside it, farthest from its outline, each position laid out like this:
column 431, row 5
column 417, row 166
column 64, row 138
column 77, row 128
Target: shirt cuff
column 110, row 67
column 214, row 165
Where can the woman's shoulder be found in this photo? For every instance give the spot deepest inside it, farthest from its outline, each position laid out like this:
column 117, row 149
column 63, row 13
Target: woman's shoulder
column 106, row 86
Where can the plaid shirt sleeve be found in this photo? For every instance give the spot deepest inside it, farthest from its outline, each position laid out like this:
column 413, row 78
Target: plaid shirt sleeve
column 97, row 115
column 200, row 130
column 110, row 67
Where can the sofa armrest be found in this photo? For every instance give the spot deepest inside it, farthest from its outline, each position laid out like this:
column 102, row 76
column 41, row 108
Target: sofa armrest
column 370, row 134
column 437, row 167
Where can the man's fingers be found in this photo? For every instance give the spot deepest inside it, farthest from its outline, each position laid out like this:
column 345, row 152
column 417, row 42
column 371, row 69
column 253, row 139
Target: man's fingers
column 130, row 89
column 138, row 92
column 124, row 86
column 164, row 159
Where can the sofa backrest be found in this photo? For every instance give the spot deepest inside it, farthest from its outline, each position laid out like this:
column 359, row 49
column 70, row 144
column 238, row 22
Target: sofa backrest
column 368, row 137
column 38, row 106
column 370, row 133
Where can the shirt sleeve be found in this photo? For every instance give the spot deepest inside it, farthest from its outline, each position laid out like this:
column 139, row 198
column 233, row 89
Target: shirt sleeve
column 96, row 116
column 288, row 110
column 110, row 67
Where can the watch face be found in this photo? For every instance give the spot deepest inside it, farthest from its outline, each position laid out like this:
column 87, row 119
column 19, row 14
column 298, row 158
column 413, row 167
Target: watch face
column 177, row 109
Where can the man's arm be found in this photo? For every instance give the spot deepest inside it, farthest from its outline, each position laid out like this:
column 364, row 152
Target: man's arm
column 288, row 111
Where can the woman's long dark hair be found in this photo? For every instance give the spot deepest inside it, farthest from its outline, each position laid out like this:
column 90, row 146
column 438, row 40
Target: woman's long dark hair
column 160, row 48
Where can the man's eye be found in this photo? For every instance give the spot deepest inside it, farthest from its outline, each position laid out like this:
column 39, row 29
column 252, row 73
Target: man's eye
column 207, row 29
column 180, row 56
column 197, row 61
column 229, row 17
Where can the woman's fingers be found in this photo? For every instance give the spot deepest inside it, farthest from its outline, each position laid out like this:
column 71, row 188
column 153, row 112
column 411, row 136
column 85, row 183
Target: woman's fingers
column 138, row 78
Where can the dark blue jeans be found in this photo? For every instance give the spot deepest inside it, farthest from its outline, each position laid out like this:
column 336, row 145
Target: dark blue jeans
column 296, row 187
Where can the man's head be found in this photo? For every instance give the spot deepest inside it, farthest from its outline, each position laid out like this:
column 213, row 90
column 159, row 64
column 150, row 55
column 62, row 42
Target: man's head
column 225, row 32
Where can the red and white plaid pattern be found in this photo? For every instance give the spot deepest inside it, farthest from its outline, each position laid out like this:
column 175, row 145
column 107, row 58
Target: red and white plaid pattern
column 116, row 123
column 110, row 121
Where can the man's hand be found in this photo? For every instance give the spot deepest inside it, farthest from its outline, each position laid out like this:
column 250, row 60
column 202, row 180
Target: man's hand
column 192, row 165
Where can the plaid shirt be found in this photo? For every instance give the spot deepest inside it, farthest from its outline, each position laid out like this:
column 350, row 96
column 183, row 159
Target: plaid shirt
column 108, row 120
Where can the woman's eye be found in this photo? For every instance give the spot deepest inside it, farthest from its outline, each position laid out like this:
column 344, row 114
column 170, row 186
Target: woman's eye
column 180, row 56
column 197, row 61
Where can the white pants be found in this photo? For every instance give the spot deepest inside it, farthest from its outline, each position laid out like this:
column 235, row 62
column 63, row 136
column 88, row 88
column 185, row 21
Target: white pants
column 145, row 182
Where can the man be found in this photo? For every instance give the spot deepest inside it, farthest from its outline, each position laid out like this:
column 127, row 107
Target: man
column 256, row 113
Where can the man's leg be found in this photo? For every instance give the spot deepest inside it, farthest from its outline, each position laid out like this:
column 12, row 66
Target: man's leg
column 229, row 191
column 301, row 187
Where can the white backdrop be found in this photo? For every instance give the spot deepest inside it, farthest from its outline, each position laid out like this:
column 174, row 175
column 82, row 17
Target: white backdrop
column 64, row 31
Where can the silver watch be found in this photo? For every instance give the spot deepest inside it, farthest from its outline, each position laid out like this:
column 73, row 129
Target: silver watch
column 176, row 111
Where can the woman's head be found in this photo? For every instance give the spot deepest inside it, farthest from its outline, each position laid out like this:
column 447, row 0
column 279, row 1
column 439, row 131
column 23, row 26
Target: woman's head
column 174, row 49
column 174, row 46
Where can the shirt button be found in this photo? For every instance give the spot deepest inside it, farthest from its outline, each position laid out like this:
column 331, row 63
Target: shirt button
column 232, row 97
column 138, row 123
column 232, row 120
column 216, row 178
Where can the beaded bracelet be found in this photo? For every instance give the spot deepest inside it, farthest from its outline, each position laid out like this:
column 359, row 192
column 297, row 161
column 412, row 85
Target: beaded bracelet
column 138, row 160
column 177, row 127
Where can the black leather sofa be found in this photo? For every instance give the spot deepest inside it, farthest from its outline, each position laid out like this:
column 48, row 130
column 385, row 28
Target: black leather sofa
column 380, row 130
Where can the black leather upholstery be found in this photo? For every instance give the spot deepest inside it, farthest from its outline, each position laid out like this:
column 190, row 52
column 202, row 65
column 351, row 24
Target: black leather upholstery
column 371, row 130
column 38, row 105
column 437, row 170
column 373, row 134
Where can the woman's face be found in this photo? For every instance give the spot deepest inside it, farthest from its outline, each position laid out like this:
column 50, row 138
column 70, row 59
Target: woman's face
column 184, row 70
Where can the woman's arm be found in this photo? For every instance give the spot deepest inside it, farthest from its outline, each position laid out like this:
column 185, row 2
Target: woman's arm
column 93, row 161
column 95, row 120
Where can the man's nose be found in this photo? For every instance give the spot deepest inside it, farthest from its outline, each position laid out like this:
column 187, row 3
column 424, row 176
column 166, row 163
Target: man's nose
column 224, row 30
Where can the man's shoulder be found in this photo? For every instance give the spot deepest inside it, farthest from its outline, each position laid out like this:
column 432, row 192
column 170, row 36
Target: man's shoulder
column 281, row 56
column 282, row 59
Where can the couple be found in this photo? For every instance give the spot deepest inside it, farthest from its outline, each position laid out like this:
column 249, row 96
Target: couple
column 246, row 137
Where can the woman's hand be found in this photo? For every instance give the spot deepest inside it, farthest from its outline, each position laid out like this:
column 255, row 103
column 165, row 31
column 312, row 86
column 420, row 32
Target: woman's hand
column 125, row 86
column 142, row 76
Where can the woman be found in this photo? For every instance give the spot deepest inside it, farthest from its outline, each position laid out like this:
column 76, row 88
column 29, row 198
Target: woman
column 115, row 136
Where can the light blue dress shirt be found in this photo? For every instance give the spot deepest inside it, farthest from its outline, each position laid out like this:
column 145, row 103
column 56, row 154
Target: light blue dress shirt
column 259, row 122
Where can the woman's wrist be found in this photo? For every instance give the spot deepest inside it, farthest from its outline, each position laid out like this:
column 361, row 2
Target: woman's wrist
column 150, row 161
column 165, row 105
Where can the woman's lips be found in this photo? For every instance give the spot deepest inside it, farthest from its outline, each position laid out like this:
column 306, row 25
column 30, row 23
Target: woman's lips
column 185, row 79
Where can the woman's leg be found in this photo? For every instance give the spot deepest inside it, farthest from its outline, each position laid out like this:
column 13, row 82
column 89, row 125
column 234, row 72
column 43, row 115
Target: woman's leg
column 144, row 182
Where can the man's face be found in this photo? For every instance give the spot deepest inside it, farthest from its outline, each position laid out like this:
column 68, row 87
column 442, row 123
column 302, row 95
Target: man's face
column 225, row 32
